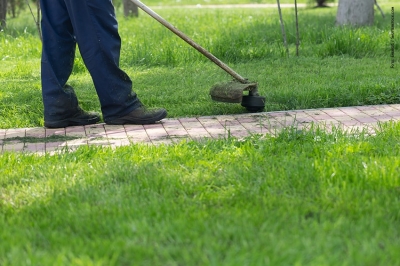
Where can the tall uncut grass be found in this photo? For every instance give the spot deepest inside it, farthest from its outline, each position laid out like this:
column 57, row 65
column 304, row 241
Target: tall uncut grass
column 238, row 35
column 245, row 35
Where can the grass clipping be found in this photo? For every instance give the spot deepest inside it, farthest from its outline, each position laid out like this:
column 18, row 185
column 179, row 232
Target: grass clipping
column 231, row 92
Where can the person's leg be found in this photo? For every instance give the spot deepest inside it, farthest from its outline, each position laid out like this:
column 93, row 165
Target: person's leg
column 61, row 107
column 93, row 25
column 96, row 30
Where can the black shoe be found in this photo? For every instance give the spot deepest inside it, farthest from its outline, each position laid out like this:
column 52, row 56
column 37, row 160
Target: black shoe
column 81, row 118
column 140, row 116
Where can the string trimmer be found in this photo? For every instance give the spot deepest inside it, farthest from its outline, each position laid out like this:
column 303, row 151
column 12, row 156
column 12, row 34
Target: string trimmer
column 231, row 92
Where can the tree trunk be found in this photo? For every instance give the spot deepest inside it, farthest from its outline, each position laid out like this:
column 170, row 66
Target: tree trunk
column 355, row 12
column 3, row 13
column 13, row 7
column 130, row 9
column 321, row 3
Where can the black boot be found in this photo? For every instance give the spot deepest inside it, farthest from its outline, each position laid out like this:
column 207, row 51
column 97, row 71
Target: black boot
column 80, row 118
column 69, row 113
column 140, row 116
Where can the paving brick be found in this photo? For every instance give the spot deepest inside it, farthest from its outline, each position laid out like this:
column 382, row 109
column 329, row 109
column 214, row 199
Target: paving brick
column 395, row 106
column 228, row 123
column 253, row 128
column 188, row 119
column 13, row 139
column 116, row 132
column 278, row 114
column 255, row 125
column 272, row 125
column 352, row 122
column 349, row 110
column 165, row 141
column 288, row 122
column 172, row 123
column 72, row 144
column 95, row 142
column 247, row 119
column 95, row 131
column 234, row 127
column 319, row 117
column 13, row 146
column 136, row 134
column 76, row 131
column 250, row 118
column 314, row 112
column 190, row 124
column 156, row 132
column 39, row 147
column 119, row 142
column 198, row 132
column 213, row 127
column 386, row 108
column 331, row 121
column 366, row 119
column 176, row 130
column 38, row 132
column 56, row 146
column 194, row 128
column 343, row 118
column 55, row 132
column 365, row 108
column 2, row 134
column 373, row 112
column 305, row 120
column 209, row 121
column 176, row 133
column 225, row 117
column 239, row 133
column 384, row 118
column 334, row 112
column 95, row 135
column 15, row 133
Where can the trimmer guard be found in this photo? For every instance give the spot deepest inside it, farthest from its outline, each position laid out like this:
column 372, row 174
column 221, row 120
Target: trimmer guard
column 232, row 92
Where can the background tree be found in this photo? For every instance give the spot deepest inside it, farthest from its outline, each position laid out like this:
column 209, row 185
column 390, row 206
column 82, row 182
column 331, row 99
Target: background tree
column 3, row 13
column 355, row 12
column 322, row 3
column 130, row 9
column 14, row 6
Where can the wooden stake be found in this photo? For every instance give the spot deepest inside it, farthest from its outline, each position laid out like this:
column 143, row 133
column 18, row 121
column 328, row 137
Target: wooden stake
column 297, row 29
column 37, row 21
column 383, row 14
column 283, row 28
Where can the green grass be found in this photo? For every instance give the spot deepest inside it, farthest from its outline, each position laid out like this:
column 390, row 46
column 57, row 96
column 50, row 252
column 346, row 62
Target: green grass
column 301, row 198
column 336, row 66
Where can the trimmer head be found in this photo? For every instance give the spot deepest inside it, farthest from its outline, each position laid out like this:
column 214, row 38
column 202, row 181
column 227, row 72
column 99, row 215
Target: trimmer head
column 232, row 92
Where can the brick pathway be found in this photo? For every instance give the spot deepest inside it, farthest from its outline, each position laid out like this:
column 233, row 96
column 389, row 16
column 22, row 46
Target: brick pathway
column 169, row 131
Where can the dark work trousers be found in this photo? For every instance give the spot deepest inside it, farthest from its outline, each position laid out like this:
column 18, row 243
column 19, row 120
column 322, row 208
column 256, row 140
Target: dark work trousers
column 93, row 26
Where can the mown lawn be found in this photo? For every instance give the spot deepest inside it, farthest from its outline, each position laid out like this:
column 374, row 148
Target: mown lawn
column 301, row 198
